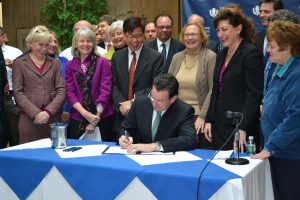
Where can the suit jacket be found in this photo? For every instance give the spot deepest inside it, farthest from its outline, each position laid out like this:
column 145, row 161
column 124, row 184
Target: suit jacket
column 176, row 130
column 212, row 45
column 4, row 129
column 242, row 86
column 204, row 77
column 175, row 47
column 259, row 41
column 34, row 91
column 148, row 66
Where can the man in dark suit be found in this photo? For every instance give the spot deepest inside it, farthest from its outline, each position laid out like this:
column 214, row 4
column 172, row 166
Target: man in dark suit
column 3, row 120
column 159, row 122
column 267, row 9
column 103, row 25
column 133, row 69
column 164, row 43
column 194, row 18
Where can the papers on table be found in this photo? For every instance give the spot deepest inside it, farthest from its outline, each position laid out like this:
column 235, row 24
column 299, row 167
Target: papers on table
column 180, row 156
column 119, row 150
column 223, row 154
column 85, row 151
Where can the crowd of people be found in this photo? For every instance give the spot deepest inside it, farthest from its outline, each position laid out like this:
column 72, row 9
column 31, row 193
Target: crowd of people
column 150, row 92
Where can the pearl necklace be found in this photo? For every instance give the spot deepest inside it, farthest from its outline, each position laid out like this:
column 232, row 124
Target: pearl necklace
column 37, row 61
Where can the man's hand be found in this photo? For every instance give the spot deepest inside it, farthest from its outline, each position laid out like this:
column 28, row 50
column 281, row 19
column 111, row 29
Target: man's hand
column 65, row 117
column 133, row 148
column 90, row 128
column 124, row 142
column 8, row 62
column 207, row 132
column 125, row 107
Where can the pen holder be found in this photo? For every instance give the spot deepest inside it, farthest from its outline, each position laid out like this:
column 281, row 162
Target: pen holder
column 58, row 135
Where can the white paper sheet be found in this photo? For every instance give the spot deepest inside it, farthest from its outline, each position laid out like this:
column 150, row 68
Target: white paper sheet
column 119, row 150
column 43, row 143
column 179, row 156
column 96, row 136
column 223, row 154
column 85, row 151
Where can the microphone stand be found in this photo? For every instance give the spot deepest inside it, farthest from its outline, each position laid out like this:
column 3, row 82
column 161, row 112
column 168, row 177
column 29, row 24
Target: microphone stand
column 237, row 160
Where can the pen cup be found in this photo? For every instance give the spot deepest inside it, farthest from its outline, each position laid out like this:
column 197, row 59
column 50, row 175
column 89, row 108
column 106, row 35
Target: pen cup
column 58, row 135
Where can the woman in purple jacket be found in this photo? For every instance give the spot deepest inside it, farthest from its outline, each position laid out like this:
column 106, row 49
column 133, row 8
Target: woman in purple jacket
column 88, row 83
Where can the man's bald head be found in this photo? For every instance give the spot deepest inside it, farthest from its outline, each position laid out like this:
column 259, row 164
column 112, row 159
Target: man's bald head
column 194, row 18
column 81, row 24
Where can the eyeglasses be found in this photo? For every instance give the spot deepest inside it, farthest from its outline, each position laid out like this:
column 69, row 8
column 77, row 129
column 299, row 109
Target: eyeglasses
column 164, row 27
column 159, row 102
column 137, row 36
column 193, row 35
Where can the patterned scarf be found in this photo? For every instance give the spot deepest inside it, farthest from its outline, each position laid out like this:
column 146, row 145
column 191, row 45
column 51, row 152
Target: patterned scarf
column 85, row 87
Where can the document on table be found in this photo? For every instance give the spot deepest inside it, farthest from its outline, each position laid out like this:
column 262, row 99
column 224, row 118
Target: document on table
column 223, row 154
column 85, row 151
column 179, row 156
column 119, row 150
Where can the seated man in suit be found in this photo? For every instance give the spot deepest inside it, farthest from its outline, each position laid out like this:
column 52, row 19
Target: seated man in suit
column 159, row 122
column 164, row 43
column 133, row 69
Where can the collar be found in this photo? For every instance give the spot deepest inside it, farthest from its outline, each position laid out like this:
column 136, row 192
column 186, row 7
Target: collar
column 137, row 52
column 281, row 69
column 167, row 43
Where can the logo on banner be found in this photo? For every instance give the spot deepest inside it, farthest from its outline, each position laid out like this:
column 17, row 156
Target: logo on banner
column 255, row 10
column 213, row 12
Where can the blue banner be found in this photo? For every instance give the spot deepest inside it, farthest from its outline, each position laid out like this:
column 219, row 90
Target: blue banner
column 209, row 8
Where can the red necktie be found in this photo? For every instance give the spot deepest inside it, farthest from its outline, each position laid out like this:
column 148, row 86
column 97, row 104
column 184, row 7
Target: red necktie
column 131, row 75
column 108, row 46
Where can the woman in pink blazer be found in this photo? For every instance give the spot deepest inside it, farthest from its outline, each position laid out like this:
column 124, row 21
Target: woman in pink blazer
column 38, row 86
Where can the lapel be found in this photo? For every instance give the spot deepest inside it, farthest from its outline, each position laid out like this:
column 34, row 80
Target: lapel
column 29, row 64
column 172, row 50
column 148, row 113
column 236, row 56
column 48, row 65
column 76, row 66
column 124, row 68
column 141, row 65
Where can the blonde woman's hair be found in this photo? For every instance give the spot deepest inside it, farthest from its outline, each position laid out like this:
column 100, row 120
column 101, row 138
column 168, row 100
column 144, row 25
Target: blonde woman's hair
column 39, row 33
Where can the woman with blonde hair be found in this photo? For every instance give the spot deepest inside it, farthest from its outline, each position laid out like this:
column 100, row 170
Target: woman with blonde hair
column 39, row 87
column 193, row 68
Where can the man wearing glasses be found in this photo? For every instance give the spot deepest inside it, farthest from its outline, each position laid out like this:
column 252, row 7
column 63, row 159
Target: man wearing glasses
column 133, row 69
column 159, row 122
column 164, row 42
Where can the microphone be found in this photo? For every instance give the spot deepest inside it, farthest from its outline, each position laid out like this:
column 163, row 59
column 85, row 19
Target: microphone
column 229, row 114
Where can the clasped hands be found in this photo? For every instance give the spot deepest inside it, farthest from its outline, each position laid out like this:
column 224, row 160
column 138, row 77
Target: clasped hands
column 93, row 121
column 127, row 143
column 41, row 118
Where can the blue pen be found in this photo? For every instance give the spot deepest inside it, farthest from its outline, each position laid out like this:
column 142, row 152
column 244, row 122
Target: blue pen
column 126, row 135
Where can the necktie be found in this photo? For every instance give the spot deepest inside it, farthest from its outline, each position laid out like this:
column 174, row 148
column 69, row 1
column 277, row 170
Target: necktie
column 155, row 125
column 108, row 46
column 131, row 75
column 266, row 54
column 164, row 52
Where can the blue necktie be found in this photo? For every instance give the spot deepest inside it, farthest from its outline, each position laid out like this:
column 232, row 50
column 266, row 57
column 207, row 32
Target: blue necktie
column 164, row 52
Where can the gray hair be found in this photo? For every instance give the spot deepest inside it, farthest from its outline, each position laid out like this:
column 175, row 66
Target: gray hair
column 86, row 32
column 115, row 25
column 284, row 15
column 39, row 33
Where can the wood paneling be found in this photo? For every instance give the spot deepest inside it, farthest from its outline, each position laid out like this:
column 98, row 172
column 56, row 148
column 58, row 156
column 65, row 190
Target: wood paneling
column 23, row 14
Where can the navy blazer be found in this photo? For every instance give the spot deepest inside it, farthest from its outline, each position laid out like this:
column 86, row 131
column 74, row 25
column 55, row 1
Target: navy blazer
column 242, row 86
column 175, row 47
column 176, row 130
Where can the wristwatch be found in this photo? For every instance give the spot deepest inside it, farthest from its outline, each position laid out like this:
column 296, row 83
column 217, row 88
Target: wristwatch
column 158, row 146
